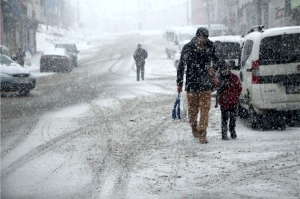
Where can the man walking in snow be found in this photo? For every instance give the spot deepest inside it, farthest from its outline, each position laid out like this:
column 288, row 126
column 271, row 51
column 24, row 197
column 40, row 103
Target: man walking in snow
column 197, row 56
column 139, row 57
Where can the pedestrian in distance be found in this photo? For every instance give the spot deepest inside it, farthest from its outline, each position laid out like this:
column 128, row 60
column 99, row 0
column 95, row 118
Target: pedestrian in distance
column 20, row 56
column 198, row 55
column 139, row 57
column 228, row 96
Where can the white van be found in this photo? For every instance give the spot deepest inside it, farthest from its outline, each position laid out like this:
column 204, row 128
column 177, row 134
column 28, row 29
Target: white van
column 270, row 76
column 176, row 37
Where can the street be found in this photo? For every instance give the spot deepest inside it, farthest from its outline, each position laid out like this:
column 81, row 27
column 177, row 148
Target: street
column 98, row 133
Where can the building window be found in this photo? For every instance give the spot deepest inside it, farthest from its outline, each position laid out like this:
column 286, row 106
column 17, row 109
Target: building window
column 280, row 13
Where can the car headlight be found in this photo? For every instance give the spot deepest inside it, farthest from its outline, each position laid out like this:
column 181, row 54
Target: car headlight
column 4, row 75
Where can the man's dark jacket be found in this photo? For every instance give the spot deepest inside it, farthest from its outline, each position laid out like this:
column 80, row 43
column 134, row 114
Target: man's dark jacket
column 140, row 55
column 198, row 63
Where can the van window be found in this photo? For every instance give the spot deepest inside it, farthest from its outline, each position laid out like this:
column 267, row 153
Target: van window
column 246, row 51
column 280, row 49
column 227, row 50
column 216, row 33
column 170, row 36
column 68, row 47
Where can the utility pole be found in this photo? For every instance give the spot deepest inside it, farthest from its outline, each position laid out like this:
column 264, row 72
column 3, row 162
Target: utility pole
column 140, row 16
column 78, row 12
column 208, row 14
column 187, row 12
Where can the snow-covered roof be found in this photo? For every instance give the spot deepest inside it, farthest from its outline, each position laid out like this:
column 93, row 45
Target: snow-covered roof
column 275, row 31
column 228, row 38
column 13, row 68
column 56, row 51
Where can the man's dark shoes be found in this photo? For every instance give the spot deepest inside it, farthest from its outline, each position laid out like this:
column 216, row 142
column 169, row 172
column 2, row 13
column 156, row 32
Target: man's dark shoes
column 224, row 137
column 233, row 134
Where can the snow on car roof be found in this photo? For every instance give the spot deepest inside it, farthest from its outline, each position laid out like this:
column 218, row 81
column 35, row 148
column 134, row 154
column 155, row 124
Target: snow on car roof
column 13, row 68
column 275, row 31
column 296, row 28
column 56, row 51
column 228, row 38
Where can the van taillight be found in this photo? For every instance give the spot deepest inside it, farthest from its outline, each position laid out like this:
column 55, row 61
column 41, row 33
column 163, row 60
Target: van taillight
column 255, row 72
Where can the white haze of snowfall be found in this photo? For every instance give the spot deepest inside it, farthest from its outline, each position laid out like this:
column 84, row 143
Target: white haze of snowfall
column 178, row 165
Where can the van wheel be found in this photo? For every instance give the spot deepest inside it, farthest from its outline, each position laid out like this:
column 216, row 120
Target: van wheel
column 266, row 122
column 169, row 56
column 253, row 118
column 242, row 112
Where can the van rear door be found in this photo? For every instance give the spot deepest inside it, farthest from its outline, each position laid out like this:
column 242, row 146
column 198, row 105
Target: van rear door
column 279, row 68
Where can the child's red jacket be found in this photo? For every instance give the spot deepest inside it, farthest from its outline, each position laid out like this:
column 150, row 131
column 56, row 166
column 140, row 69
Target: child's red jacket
column 230, row 92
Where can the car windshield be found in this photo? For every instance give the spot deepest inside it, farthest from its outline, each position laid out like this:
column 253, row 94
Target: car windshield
column 70, row 48
column 5, row 60
column 227, row 50
column 280, row 49
column 186, row 36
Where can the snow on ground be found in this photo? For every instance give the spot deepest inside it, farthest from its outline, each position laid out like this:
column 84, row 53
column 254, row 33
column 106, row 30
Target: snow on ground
column 169, row 164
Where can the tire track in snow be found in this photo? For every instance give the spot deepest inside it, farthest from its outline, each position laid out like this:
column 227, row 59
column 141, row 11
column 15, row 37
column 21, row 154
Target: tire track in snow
column 40, row 150
column 20, row 138
column 128, row 160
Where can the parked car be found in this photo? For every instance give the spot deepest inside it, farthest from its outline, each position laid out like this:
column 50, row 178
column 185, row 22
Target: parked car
column 228, row 48
column 71, row 50
column 5, row 51
column 56, row 60
column 15, row 77
column 270, row 76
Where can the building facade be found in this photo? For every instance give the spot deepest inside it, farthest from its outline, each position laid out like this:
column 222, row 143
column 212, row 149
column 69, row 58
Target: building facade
column 241, row 15
column 18, row 25
column 20, row 18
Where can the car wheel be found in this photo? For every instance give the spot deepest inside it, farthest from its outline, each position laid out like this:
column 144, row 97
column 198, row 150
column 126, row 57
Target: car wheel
column 42, row 70
column 253, row 118
column 266, row 122
column 24, row 91
column 242, row 112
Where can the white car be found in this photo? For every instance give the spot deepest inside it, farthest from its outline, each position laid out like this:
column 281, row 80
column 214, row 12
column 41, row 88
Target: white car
column 270, row 76
column 15, row 77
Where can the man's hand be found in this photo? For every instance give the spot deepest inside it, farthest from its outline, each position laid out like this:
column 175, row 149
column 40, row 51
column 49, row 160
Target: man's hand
column 211, row 71
column 179, row 89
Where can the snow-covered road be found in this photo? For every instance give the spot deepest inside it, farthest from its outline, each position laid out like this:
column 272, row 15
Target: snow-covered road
column 126, row 145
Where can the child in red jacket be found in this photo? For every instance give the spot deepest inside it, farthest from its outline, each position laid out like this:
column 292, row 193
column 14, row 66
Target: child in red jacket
column 228, row 98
